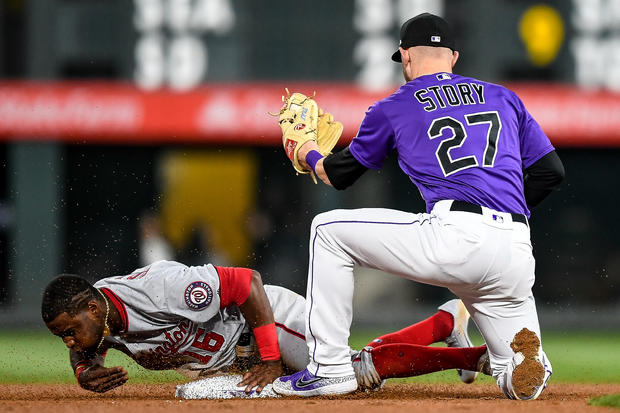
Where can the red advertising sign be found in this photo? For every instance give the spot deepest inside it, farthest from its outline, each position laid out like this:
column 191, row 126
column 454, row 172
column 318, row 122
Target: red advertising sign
column 238, row 113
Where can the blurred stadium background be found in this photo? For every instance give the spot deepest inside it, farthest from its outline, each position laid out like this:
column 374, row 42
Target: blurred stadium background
column 132, row 130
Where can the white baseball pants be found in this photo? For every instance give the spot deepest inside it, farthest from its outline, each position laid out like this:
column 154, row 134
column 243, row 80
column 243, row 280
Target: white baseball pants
column 486, row 260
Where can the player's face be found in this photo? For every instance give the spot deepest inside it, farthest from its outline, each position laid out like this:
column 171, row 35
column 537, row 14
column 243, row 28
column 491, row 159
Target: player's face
column 81, row 332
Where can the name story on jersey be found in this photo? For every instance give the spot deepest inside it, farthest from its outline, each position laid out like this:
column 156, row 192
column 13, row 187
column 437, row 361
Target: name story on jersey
column 434, row 97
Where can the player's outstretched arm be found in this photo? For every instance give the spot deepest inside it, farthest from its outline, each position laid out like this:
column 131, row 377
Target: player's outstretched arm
column 339, row 170
column 257, row 311
column 92, row 375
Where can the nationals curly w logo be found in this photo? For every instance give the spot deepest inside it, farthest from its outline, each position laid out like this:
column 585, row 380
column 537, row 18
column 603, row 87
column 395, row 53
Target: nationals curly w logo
column 198, row 295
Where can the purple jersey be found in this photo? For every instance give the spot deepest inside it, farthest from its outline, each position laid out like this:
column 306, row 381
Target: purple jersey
column 457, row 138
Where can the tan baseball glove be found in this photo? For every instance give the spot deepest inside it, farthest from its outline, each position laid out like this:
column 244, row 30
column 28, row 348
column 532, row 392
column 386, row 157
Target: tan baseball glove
column 329, row 132
column 301, row 121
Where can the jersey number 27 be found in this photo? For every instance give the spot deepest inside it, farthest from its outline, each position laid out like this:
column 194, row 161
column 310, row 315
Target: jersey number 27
column 459, row 134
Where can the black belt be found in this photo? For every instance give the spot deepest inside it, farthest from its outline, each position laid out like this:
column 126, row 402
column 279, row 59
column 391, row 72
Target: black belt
column 477, row 209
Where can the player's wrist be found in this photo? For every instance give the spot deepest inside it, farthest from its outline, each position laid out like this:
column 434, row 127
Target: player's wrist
column 80, row 367
column 312, row 158
column 267, row 342
column 303, row 153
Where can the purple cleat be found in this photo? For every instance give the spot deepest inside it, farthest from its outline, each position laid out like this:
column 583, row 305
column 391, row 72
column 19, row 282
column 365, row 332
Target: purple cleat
column 305, row 384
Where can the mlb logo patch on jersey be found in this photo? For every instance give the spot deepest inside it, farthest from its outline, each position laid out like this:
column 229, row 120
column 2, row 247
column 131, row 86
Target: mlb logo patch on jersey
column 443, row 76
column 436, row 39
column 198, row 295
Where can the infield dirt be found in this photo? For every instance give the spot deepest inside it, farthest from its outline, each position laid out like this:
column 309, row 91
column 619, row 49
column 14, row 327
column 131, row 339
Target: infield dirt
column 484, row 398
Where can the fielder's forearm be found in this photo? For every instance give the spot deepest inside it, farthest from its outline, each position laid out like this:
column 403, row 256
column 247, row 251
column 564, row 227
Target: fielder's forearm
column 343, row 169
column 319, row 169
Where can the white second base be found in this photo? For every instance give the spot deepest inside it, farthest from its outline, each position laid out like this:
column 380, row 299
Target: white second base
column 220, row 387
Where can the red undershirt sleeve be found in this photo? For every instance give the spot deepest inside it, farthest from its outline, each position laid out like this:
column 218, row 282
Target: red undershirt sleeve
column 234, row 285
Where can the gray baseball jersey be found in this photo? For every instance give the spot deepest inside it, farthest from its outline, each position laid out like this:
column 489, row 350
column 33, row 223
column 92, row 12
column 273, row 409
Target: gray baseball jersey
column 171, row 311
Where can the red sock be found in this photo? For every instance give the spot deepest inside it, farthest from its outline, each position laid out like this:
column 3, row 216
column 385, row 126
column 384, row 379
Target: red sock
column 407, row 360
column 435, row 328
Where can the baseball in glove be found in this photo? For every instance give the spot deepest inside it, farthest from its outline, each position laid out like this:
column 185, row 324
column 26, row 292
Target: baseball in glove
column 301, row 121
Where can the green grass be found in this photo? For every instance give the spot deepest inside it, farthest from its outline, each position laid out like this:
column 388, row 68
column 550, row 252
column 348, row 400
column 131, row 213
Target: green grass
column 39, row 357
column 610, row 400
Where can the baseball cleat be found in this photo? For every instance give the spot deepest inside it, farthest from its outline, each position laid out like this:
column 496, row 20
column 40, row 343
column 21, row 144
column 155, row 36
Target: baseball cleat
column 305, row 384
column 484, row 364
column 459, row 336
column 365, row 372
column 531, row 368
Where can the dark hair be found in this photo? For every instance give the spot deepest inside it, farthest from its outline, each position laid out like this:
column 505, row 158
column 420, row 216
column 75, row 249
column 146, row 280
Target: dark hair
column 66, row 294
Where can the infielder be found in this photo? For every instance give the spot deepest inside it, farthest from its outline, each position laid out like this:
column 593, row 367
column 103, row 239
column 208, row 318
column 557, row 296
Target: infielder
column 479, row 160
column 199, row 320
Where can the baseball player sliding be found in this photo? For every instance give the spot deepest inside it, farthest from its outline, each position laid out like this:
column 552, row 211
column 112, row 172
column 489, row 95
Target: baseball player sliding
column 198, row 320
column 479, row 160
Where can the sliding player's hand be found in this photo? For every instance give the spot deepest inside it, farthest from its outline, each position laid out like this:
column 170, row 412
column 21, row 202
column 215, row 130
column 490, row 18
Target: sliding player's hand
column 261, row 375
column 101, row 379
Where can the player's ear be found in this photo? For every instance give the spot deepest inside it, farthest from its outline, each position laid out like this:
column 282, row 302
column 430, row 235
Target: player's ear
column 92, row 306
column 455, row 57
column 404, row 56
